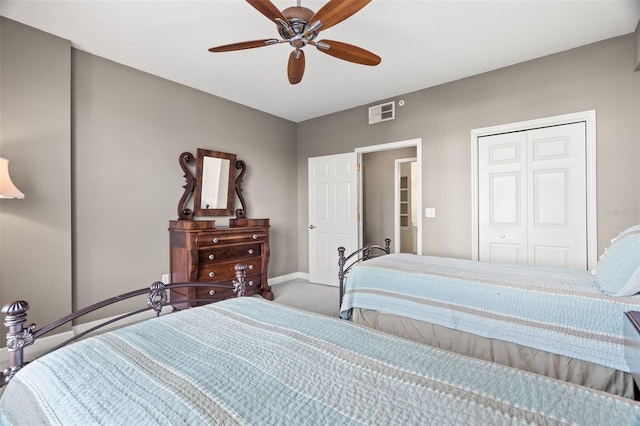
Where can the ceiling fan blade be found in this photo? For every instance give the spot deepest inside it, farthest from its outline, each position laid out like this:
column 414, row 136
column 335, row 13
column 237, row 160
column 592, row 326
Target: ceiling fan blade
column 336, row 11
column 244, row 45
column 268, row 9
column 295, row 68
column 347, row 52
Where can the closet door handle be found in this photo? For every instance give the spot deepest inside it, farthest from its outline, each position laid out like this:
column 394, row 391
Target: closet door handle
column 312, row 227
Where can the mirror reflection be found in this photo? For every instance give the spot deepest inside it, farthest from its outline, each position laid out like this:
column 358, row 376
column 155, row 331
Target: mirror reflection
column 215, row 183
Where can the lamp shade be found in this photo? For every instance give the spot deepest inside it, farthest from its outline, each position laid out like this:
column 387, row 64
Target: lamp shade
column 7, row 188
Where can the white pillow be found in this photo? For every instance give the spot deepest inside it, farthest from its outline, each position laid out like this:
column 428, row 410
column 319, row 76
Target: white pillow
column 618, row 272
column 635, row 229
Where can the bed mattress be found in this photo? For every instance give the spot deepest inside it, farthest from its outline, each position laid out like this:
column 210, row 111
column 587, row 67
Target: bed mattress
column 561, row 311
column 249, row 361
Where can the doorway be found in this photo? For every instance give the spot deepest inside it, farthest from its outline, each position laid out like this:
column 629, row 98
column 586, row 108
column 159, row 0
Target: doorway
column 380, row 173
column 323, row 265
column 378, row 209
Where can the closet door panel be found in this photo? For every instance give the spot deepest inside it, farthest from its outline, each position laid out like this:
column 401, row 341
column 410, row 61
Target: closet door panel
column 532, row 197
column 503, row 195
column 557, row 225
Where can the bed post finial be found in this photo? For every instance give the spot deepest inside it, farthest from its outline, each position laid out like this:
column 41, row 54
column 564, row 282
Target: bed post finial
column 387, row 245
column 157, row 297
column 239, row 286
column 17, row 336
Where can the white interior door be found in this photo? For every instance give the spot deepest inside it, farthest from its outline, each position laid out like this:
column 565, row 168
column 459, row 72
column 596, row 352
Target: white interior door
column 532, row 189
column 557, row 196
column 333, row 213
column 502, row 185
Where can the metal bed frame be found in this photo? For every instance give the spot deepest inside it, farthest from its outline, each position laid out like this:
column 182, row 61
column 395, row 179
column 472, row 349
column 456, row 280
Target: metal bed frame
column 360, row 255
column 19, row 336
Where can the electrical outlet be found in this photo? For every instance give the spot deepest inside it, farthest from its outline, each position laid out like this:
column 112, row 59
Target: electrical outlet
column 166, row 279
column 430, row 212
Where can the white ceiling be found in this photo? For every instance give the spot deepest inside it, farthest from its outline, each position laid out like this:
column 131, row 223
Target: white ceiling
column 422, row 43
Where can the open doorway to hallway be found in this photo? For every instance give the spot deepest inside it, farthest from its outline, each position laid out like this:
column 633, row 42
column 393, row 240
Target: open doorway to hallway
column 387, row 199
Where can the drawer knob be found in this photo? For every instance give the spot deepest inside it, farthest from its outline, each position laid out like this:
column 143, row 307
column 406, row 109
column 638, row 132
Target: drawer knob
column 212, row 274
column 251, row 266
column 211, row 257
column 216, row 240
column 251, row 283
column 212, row 292
column 254, row 236
column 250, row 251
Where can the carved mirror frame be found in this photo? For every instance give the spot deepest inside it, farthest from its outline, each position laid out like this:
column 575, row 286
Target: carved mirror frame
column 195, row 184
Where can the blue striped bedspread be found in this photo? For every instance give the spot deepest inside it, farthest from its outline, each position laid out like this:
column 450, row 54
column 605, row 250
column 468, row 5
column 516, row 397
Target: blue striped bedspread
column 561, row 311
column 247, row 361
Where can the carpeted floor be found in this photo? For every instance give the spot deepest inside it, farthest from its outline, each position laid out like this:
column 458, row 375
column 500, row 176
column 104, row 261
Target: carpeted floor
column 302, row 294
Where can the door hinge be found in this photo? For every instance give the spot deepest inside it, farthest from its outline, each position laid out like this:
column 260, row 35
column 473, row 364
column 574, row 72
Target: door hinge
column 358, row 167
column 358, row 217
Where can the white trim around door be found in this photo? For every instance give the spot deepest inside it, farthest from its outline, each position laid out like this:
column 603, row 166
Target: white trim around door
column 383, row 147
column 589, row 118
column 396, row 204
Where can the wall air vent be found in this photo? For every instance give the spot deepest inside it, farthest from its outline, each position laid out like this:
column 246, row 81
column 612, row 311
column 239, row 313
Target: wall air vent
column 382, row 112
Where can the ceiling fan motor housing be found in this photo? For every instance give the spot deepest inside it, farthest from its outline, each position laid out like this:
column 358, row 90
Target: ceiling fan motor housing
column 297, row 32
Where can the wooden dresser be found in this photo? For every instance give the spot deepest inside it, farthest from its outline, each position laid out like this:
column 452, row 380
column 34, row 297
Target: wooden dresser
column 202, row 252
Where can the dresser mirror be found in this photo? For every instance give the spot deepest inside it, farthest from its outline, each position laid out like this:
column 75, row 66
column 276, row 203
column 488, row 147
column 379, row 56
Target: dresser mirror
column 214, row 185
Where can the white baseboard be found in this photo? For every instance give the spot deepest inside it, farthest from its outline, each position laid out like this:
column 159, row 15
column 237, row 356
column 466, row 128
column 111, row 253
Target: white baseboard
column 43, row 344
column 288, row 277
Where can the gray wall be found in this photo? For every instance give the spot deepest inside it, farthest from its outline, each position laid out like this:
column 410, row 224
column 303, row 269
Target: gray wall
column 599, row 76
column 129, row 129
column 35, row 135
column 94, row 145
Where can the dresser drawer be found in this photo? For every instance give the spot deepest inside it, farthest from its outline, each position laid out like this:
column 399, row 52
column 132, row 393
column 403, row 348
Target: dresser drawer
column 214, row 239
column 214, row 294
column 231, row 252
column 224, row 271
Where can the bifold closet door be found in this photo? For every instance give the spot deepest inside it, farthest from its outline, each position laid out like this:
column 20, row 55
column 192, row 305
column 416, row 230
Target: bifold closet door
column 532, row 197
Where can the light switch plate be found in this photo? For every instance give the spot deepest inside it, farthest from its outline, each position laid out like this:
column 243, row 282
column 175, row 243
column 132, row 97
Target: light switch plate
column 430, row 212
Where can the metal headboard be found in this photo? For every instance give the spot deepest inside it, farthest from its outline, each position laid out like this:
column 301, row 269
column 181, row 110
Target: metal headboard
column 356, row 257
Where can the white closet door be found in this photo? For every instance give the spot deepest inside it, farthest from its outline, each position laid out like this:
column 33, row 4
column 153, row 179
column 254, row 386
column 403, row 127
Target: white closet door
column 557, row 196
column 532, row 197
column 503, row 198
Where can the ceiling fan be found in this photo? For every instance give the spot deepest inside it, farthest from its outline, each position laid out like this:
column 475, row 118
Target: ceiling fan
column 300, row 26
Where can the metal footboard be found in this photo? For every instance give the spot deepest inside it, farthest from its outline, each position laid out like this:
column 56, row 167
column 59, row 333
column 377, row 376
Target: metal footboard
column 20, row 336
column 346, row 263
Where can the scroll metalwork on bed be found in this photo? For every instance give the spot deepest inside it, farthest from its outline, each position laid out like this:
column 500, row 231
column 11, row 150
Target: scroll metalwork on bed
column 345, row 263
column 19, row 336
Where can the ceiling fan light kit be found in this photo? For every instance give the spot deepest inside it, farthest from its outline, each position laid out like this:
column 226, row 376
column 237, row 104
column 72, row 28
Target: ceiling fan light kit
column 300, row 26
